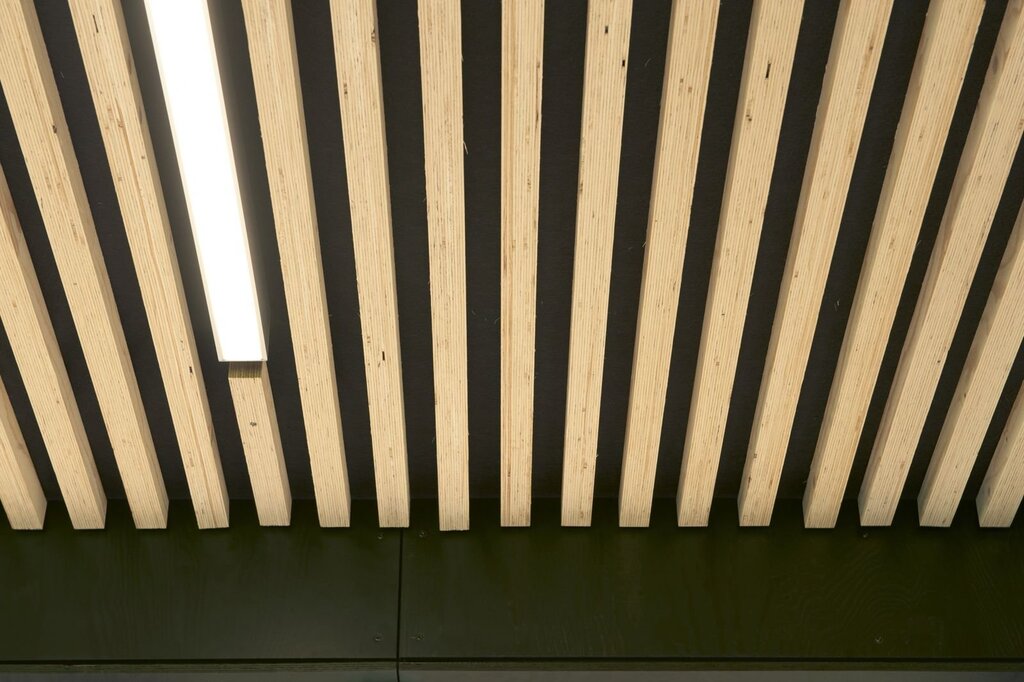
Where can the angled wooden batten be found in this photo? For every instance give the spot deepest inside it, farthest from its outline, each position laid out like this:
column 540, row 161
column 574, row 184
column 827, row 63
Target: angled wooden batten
column 282, row 120
column 357, row 53
column 691, row 44
column 440, row 30
column 988, row 364
column 981, row 176
column 106, row 53
column 522, row 58
column 38, row 116
column 261, row 441
column 604, row 97
column 20, row 493
column 1003, row 487
column 942, row 56
column 34, row 344
column 842, row 108
column 771, row 45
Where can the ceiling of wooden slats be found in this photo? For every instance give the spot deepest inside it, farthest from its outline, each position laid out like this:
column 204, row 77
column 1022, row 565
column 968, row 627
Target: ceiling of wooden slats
column 748, row 279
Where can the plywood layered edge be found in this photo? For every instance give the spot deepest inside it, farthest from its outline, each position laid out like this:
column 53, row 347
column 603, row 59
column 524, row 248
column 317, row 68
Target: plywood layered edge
column 282, row 120
column 691, row 45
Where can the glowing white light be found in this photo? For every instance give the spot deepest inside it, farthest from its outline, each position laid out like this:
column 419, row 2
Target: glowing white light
column 187, row 61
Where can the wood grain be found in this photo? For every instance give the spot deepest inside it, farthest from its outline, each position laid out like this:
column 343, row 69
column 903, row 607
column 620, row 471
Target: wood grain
column 981, row 176
column 843, row 105
column 604, row 96
column 942, row 56
column 683, row 97
column 1003, row 487
column 106, row 53
column 988, row 364
column 362, row 115
column 261, row 441
column 440, row 30
column 38, row 117
column 20, row 493
column 771, row 45
column 34, row 345
column 282, row 121
column 522, row 55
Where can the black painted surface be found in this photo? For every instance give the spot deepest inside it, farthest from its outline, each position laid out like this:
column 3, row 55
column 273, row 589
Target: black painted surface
column 718, row 596
column 199, row 673
column 562, row 101
column 187, row 596
column 716, row 604
column 665, row 673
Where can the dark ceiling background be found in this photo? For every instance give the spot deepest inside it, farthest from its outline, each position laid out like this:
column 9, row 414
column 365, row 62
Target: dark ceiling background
column 564, row 42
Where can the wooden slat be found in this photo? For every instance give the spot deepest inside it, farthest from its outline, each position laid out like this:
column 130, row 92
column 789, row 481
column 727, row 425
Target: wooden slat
column 1003, row 488
column 846, row 92
column 282, row 120
column 774, row 27
column 522, row 55
column 106, row 53
column 20, row 493
column 440, row 24
column 43, row 133
column 34, row 344
column 261, row 441
column 604, row 96
column 684, row 93
column 984, row 166
column 942, row 56
column 995, row 346
column 362, row 115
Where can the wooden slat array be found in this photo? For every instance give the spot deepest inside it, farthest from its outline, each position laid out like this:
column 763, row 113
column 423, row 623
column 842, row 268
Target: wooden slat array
column 440, row 29
column 845, row 94
column 283, row 123
column 261, row 441
column 38, row 116
column 771, row 45
column 106, row 53
column 20, row 493
column 522, row 58
column 945, row 48
column 995, row 346
column 34, row 344
column 943, row 53
column 691, row 44
column 357, row 53
column 604, row 97
column 984, row 166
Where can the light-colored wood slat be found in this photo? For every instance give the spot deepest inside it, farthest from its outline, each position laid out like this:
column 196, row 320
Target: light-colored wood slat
column 992, row 353
column 846, row 91
column 604, row 96
column 942, row 56
column 106, row 53
column 440, row 25
column 691, row 44
column 362, row 115
column 282, row 120
column 774, row 27
column 34, row 344
column 261, row 441
column 20, row 493
column 984, row 166
column 46, row 143
column 522, row 56
column 1003, row 487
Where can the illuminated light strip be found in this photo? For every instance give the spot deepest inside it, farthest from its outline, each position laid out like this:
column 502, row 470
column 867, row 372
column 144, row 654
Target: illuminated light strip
column 187, row 61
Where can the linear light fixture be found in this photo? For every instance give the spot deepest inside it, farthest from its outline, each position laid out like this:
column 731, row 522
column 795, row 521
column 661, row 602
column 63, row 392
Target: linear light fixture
column 187, row 61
